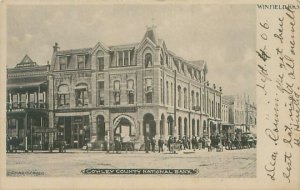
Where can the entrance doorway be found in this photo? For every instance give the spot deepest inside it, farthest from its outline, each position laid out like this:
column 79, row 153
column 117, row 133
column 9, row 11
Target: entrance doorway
column 149, row 124
column 74, row 130
column 124, row 128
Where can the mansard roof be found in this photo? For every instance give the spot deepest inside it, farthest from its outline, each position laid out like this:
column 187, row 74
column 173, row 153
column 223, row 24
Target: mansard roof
column 123, row 46
column 74, row 51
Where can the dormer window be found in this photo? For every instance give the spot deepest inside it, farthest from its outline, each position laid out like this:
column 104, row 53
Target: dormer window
column 100, row 60
column 62, row 63
column 80, row 61
column 148, row 60
column 182, row 67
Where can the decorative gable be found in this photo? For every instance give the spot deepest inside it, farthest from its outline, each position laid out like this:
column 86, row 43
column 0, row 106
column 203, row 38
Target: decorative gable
column 26, row 62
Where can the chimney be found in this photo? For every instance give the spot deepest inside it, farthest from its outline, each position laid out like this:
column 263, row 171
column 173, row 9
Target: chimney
column 55, row 47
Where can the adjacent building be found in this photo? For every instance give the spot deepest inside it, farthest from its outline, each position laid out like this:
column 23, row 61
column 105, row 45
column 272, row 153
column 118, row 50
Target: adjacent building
column 27, row 104
column 238, row 115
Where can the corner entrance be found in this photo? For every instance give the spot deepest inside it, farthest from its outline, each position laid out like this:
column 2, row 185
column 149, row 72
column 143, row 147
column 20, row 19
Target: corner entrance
column 149, row 125
column 124, row 128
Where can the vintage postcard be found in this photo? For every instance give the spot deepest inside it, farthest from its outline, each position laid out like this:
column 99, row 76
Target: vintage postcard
column 150, row 95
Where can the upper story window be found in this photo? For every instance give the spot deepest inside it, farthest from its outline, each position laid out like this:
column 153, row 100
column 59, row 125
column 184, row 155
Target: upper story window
column 117, row 92
column 161, row 60
column 80, row 61
column 130, row 88
column 197, row 99
column 148, row 60
column 101, row 93
column 120, row 58
column 148, row 90
column 182, row 67
column 193, row 98
column 179, row 96
column 185, row 98
column 63, row 95
column 126, row 58
column 62, row 62
column 81, row 96
column 167, row 90
column 167, row 60
column 100, row 60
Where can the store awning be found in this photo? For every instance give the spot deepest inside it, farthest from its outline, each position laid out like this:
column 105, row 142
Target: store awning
column 25, row 85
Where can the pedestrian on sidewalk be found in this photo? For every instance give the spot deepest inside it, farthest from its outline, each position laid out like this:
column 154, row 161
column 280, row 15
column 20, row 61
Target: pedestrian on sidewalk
column 160, row 145
column 209, row 144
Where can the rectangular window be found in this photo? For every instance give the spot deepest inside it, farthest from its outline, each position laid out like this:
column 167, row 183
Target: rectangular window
column 120, row 58
column 172, row 94
column 167, row 89
column 130, row 97
column 80, row 61
column 148, row 86
column 81, row 97
column 148, row 90
column 62, row 63
column 64, row 99
column 23, row 100
column 100, row 63
column 101, row 93
column 126, row 58
column 161, row 91
column 117, row 92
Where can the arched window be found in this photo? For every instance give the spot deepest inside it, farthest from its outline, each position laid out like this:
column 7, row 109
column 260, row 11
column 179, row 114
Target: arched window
column 63, row 95
column 185, row 127
column 198, row 128
column 193, row 99
column 185, row 98
column 167, row 94
column 148, row 60
column 179, row 96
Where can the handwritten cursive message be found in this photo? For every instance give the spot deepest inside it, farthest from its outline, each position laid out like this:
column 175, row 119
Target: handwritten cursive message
column 278, row 85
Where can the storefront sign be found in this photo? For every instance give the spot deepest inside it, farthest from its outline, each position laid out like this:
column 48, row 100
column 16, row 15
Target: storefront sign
column 45, row 130
column 123, row 109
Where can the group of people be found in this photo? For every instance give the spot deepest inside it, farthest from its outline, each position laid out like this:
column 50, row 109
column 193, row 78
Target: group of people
column 183, row 143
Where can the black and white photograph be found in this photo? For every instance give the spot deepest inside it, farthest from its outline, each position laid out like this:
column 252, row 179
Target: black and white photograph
column 163, row 90
column 131, row 87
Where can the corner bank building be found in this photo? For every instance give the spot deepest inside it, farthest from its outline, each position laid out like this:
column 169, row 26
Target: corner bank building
column 129, row 91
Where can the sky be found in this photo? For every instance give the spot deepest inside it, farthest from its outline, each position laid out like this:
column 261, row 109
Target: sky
column 222, row 35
